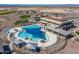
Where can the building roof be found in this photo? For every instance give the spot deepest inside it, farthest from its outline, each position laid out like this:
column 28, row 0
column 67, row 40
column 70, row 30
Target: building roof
column 61, row 19
column 60, row 31
column 54, row 19
column 59, row 12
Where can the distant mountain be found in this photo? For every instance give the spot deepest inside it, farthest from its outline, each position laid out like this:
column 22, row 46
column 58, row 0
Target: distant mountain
column 42, row 5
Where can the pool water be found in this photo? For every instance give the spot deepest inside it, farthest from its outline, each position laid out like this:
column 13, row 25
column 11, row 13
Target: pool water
column 33, row 32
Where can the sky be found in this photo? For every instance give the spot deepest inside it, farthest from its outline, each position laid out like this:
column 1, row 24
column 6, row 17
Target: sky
column 39, row 1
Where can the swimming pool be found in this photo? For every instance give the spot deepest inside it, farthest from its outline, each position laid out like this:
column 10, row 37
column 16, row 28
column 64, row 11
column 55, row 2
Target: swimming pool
column 33, row 32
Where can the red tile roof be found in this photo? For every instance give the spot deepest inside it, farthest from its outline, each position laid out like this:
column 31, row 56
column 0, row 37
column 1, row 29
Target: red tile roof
column 61, row 19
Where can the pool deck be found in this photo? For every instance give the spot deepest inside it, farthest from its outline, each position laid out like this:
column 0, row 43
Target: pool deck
column 52, row 38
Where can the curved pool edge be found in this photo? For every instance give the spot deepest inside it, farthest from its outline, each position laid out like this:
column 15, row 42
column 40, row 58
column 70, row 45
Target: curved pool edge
column 48, row 43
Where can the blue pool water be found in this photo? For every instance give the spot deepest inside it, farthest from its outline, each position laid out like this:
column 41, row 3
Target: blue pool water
column 34, row 32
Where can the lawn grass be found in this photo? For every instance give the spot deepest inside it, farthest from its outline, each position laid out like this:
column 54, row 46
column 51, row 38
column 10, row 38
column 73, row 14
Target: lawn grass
column 77, row 33
column 24, row 16
column 20, row 22
column 6, row 12
column 23, row 19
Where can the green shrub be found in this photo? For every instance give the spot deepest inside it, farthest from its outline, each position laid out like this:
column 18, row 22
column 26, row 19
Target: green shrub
column 20, row 22
column 77, row 33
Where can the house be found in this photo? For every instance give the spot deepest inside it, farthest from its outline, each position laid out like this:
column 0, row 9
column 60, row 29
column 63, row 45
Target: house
column 59, row 25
